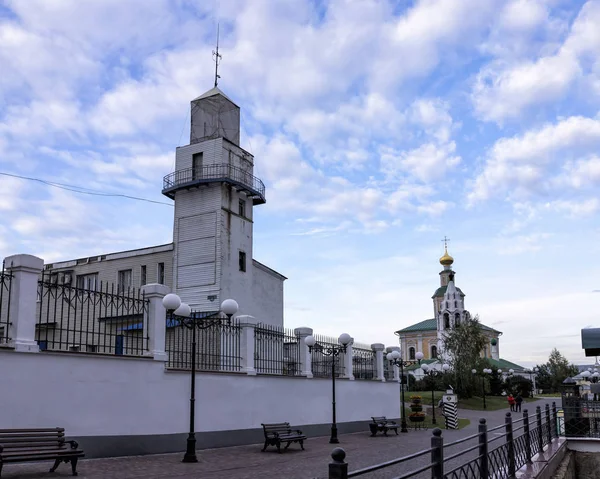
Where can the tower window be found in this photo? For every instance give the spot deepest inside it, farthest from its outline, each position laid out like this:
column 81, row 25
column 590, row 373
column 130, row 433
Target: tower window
column 455, row 304
column 161, row 273
column 411, row 353
column 197, row 160
column 456, row 319
column 433, row 352
column 446, row 321
column 143, row 275
column 242, row 208
column 242, row 259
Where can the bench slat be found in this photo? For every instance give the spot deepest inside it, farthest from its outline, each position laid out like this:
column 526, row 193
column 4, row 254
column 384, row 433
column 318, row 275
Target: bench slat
column 40, row 430
column 36, row 445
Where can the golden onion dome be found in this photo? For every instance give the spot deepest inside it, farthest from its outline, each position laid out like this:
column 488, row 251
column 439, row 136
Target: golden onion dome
column 446, row 260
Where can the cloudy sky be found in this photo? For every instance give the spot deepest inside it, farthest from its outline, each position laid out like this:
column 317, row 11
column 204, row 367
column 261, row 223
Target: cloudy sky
column 378, row 127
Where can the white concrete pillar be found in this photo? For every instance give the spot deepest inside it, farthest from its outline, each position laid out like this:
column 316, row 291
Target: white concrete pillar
column 420, row 344
column 157, row 320
column 248, row 324
column 348, row 364
column 26, row 270
column 378, row 348
column 306, row 366
column 389, row 349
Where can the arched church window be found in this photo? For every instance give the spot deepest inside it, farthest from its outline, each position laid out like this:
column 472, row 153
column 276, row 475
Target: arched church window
column 433, row 352
column 446, row 304
column 455, row 304
column 456, row 319
column 446, row 321
column 411, row 353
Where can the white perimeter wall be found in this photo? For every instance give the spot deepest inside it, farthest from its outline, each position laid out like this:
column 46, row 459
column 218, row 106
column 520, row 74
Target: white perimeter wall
column 106, row 396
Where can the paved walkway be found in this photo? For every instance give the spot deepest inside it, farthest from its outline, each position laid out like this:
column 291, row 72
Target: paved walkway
column 248, row 462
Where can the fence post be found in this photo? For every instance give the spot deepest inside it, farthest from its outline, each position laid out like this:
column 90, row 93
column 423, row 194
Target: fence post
column 157, row 320
column 348, row 364
column 26, row 270
column 527, row 435
column 338, row 469
column 483, row 449
column 548, row 424
column 511, row 445
column 378, row 348
column 437, row 454
column 247, row 351
column 305, row 363
column 540, row 438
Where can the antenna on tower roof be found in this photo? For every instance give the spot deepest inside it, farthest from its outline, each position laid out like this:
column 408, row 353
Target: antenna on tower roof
column 217, row 57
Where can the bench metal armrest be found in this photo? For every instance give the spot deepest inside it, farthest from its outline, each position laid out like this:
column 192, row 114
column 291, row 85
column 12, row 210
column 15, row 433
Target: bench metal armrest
column 274, row 435
column 74, row 444
column 1, row 448
column 298, row 431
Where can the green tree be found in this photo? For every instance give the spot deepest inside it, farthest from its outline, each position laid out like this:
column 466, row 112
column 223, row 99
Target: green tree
column 559, row 369
column 463, row 345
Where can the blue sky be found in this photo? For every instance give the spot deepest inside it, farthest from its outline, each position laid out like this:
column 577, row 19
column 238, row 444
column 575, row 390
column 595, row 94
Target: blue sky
column 378, row 128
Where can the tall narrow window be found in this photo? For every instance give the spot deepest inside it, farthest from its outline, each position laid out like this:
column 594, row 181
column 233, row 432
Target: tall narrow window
column 411, row 353
column 143, row 275
column 242, row 208
column 161, row 273
column 197, row 160
column 433, row 352
column 446, row 321
column 242, row 259
column 124, row 280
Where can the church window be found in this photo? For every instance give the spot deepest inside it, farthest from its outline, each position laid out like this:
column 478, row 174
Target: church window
column 446, row 321
column 433, row 352
column 455, row 304
column 411, row 353
column 456, row 319
column 446, row 304
column 242, row 260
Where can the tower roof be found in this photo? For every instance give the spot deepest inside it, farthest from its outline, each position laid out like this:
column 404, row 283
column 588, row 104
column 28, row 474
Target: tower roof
column 213, row 92
column 446, row 260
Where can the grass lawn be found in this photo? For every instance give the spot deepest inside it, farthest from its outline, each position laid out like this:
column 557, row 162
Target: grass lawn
column 493, row 403
column 548, row 395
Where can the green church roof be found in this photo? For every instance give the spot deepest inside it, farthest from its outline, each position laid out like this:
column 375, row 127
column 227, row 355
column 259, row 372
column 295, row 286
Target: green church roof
column 504, row 364
column 442, row 290
column 431, row 325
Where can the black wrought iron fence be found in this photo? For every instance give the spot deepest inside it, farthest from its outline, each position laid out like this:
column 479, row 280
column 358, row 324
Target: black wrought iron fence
column 364, row 365
column 105, row 319
column 5, row 293
column 388, row 370
column 276, row 351
column 321, row 363
column 217, row 346
column 498, row 452
column 580, row 418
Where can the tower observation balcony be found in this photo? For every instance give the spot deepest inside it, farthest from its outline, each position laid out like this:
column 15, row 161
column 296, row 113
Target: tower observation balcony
column 240, row 179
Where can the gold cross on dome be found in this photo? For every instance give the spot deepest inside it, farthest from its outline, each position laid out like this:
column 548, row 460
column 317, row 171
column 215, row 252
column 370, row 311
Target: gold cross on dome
column 445, row 240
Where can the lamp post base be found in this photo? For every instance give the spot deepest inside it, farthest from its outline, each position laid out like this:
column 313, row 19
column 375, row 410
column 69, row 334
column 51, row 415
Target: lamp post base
column 404, row 428
column 334, row 439
column 190, row 452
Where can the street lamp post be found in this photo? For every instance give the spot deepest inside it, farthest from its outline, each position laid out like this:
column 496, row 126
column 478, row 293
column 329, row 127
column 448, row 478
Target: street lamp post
column 484, row 372
column 532, row 373
column 395, row 359
column 334, row 352
column 182, row 312
column 431, row 374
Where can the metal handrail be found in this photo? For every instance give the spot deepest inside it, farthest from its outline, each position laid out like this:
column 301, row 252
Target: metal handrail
column 221, row 171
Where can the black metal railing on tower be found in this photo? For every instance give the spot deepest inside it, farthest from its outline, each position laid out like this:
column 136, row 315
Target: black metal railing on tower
column 213, row 173
column 5, row 292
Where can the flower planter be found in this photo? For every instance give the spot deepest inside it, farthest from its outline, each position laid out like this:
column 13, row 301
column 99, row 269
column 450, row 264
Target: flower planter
column 416, row 418
column 416, row 407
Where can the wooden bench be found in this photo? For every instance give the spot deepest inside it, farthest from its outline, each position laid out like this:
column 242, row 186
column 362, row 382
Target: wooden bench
column 380, row 423
column 21, row 445
column 276, row 434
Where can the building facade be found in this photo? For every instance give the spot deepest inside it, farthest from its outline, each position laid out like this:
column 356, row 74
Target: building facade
column 210, row 259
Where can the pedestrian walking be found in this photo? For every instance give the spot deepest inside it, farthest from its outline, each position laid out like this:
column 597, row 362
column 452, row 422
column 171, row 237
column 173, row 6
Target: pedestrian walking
column 518, row 401
column 511, row 402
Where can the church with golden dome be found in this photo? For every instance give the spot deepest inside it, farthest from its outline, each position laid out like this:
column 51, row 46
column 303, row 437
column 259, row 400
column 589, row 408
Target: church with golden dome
column 448, row 312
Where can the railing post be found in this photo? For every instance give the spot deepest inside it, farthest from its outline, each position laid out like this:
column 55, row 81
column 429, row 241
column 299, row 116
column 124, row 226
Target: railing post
column 511, row 446
column 483, row 449
column 437, row 454
column 338, row 469
column 378, row 348
column 25, row 269
column 248, row 325
column 540, row 438
column 527, row 435
column 548, row 424
column 348, row 364
column 305, row 359
column 555, row 420
column 157, row 320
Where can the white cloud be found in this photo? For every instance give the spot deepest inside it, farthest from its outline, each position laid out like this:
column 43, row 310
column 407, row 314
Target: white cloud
column 504, row 88
column 531, row 163
column 428, row 162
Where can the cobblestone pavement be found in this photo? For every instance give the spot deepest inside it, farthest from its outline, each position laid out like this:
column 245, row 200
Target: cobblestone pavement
column 248, row 462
